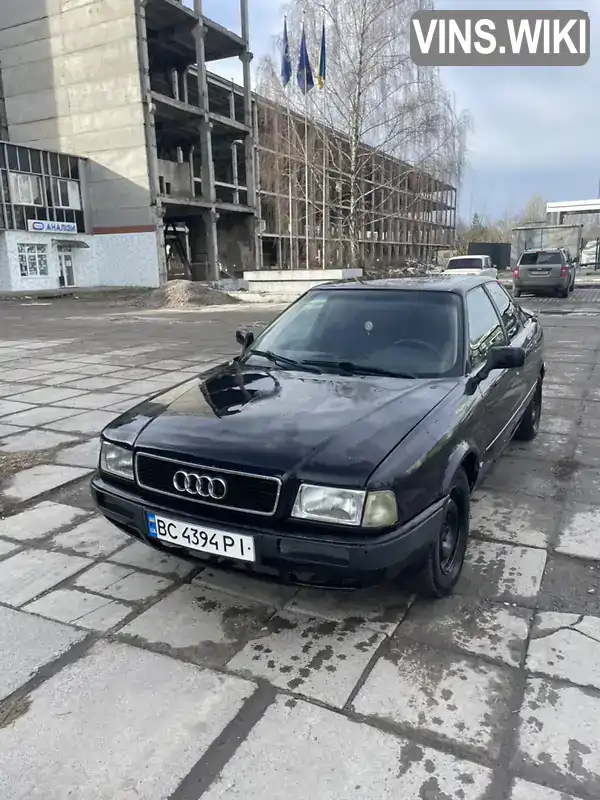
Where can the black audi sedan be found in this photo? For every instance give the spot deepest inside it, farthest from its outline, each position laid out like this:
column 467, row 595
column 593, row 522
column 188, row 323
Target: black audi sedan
column 342, row 445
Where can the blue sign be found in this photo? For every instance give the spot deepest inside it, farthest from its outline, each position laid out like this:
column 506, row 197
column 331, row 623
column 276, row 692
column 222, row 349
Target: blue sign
column 47, row 226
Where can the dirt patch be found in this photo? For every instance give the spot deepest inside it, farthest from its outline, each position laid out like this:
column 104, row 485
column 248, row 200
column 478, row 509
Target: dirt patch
column 12, row 710
column 181, row 294
column 564, row 468
column 11, row 463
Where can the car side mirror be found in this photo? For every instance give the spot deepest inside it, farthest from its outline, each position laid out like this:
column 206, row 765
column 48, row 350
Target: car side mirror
column 506, row 358
column 498, row 358
column 244, row 338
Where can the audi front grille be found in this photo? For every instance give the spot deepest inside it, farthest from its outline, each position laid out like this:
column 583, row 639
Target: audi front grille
column 255, row 494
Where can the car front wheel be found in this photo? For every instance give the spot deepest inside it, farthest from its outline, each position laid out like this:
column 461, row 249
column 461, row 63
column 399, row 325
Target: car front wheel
column 446, row 557
column 530, row 423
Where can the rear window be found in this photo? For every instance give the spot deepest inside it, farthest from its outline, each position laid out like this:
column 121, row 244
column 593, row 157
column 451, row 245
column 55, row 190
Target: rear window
column 541, row 257
column 465, row 263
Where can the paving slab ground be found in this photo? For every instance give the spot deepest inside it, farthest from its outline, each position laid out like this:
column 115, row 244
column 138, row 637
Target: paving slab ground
column 182, row 682
column 137, row 723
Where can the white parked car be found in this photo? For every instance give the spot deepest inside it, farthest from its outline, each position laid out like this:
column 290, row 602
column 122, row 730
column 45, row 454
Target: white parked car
column 471, row 265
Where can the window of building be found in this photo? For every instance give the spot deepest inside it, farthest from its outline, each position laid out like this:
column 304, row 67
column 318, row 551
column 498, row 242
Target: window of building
column 33, row 260
column 485, row 330
column 66, row 194
column 26, row 190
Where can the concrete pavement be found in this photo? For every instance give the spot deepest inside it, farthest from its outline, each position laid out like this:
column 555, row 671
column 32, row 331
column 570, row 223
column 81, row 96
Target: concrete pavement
column 128, row 674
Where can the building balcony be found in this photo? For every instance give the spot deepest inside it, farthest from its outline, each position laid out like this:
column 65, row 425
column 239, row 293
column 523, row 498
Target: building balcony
column 170, row 29
column 180, row 187
column 175, row 95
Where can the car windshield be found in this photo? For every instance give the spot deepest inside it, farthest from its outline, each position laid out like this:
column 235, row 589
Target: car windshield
column 409, row 333
column 541, row 257
column 465, row 263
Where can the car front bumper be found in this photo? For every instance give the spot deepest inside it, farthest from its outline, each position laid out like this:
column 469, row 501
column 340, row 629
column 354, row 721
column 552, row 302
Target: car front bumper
column 303, row 558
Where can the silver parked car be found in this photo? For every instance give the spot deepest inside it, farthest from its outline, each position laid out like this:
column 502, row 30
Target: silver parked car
column 544, row 271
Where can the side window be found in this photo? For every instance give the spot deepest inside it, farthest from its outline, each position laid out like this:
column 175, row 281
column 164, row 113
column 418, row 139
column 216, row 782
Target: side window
column 485, row 330
column 506, row 308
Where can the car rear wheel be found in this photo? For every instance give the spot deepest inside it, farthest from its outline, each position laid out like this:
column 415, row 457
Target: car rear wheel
column 516, row 293
column 563, row 292
column 446, row 558
column 530, row 423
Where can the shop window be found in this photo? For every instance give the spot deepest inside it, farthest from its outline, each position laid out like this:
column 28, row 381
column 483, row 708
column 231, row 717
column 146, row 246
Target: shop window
column 66, row 194
column 33, row 260
column 26, row 190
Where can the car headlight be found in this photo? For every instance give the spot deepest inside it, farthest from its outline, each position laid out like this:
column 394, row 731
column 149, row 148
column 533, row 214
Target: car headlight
column 345, row 506
column 381, row 510
column 116, row 460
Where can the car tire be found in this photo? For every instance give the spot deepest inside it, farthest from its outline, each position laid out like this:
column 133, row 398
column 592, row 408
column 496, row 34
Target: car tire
column 445, row 559
column 563, row 292
column 516, row 293
column 530, row 422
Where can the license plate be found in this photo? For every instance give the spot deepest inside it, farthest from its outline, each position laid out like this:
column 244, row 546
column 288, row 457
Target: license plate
column 540, row 272
column 201, row 537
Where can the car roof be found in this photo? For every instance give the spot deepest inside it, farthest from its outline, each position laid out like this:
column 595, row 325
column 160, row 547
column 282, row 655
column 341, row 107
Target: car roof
column 543, row 250
column 445, row 282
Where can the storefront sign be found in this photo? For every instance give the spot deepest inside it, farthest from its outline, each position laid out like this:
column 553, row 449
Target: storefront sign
column 47, row 226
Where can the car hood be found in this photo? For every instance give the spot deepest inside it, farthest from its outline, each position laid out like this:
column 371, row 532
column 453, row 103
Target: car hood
column 282, row 422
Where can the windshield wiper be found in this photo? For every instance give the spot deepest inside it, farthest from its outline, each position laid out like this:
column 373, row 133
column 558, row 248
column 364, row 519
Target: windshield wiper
column 361, row 369
column 283, row 361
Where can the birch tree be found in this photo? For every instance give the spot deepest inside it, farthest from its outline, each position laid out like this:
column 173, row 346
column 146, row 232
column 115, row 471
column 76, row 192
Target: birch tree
column 375, row 97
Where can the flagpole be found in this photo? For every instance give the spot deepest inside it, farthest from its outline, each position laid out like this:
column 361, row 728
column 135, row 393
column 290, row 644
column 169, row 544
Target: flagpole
column 322, row 84
column 325, row 183
column 291, row 202
column 306, row 174
column 286, row 74
column 306, row 84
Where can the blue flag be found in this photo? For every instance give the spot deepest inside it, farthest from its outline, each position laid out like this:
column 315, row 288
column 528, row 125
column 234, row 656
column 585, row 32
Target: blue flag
column 321, row 77
column 306, row 81
column 286, row 61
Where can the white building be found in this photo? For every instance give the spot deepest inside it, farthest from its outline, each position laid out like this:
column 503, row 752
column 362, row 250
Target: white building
column 47, row 235
column 557, row 211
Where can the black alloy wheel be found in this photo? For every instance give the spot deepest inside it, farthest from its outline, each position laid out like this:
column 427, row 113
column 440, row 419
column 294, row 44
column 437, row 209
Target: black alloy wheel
column 446, row 557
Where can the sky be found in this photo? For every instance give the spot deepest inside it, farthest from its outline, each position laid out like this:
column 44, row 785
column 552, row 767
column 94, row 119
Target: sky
column 534, row 130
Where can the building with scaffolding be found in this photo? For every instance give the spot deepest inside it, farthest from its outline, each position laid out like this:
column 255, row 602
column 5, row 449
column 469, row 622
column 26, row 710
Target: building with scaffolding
column 184, row 174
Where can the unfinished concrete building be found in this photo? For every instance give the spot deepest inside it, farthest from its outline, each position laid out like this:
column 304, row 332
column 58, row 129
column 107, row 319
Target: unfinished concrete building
column 124, row 83
column 314, row 212
column 189, row 175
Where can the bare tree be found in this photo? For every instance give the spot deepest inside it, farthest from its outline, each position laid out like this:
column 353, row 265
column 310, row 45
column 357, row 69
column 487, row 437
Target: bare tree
column 379, row 102
column 534, row 211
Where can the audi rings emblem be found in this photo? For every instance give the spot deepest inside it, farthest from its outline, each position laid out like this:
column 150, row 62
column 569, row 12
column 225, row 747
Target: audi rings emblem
column 200, row 485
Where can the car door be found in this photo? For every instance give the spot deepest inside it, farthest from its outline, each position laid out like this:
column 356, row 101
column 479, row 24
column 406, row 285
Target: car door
column 519, row 333
column 484, row 332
